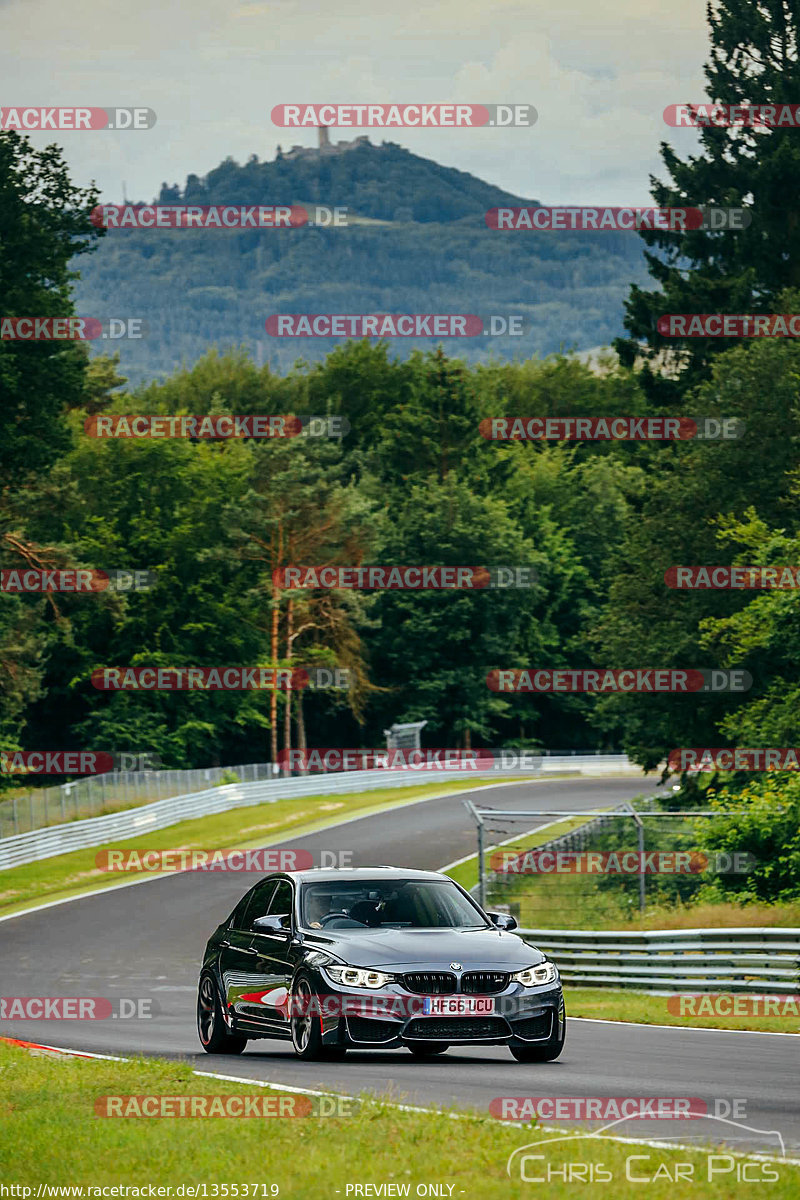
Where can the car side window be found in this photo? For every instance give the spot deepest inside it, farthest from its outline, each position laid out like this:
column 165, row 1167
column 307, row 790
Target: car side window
column 236, row 919
column 258, row 904
column 281, row 903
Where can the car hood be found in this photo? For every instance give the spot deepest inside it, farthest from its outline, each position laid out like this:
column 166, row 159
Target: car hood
column 429, row 949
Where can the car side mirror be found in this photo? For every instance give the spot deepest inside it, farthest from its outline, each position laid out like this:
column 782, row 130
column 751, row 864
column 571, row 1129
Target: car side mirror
column 502, row 920
column 272, row 924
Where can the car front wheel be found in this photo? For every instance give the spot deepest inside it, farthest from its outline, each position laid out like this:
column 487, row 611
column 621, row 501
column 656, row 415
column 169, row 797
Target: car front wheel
column 306, row 1024
column 544, row 1052
column 214, row 1037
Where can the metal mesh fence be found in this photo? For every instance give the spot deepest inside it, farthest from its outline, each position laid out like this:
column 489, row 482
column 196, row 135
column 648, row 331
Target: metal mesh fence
column 584, row 874
column 95, row 795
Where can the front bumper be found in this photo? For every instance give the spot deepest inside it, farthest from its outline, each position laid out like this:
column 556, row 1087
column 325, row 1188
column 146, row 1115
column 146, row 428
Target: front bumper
column 391, row 1017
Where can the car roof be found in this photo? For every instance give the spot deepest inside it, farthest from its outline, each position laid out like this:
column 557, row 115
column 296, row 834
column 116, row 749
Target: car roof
column 355, row 874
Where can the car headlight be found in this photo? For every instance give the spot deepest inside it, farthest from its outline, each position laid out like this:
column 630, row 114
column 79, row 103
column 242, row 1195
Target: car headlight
column 358, row 977
column 546, row 972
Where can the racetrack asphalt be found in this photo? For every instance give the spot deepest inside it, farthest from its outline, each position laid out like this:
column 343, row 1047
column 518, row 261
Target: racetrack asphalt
column 147, row 941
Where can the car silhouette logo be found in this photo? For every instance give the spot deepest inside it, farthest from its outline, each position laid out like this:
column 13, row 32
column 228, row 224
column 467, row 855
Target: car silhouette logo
column 455, row 966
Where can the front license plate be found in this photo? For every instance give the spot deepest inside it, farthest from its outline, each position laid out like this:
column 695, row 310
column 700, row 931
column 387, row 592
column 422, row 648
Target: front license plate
column 458, row 1006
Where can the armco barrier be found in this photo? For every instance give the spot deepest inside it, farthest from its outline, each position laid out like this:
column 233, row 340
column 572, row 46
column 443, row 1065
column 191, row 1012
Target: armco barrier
column 113, row 827
column 23, row 810
column 675, row 960
column 97, row 831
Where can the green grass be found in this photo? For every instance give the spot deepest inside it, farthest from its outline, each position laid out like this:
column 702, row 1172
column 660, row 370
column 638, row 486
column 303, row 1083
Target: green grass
column 49, row 1134
column 242, row 828
column 611, row 1004
column 466, row 873
column 579, row 901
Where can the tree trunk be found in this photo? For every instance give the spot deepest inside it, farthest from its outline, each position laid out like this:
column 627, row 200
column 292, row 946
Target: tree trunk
column 301, row 729
column 287, row 717
column 273, row 700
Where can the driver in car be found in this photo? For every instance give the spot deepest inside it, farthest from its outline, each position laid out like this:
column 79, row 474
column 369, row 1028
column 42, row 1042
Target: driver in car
column 318, row 905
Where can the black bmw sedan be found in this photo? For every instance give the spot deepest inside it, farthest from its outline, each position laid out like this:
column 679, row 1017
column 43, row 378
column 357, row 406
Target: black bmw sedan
column 375, row 958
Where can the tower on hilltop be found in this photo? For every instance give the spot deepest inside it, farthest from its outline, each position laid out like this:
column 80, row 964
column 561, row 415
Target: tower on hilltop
column 324, row 141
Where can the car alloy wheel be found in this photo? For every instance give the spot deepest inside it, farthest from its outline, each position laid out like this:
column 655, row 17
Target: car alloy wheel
column 214, row 1037
column 306, row 1024
column 545, row 1051
column 206, row 1004
column 302, row 1018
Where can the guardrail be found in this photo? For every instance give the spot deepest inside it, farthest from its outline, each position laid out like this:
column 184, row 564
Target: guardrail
column 95, row 795
column 113, row 827
column 678, row 960
column 96, row 831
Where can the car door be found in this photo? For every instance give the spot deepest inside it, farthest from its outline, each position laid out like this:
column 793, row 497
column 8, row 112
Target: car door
column 274, row 960
column 238, row 956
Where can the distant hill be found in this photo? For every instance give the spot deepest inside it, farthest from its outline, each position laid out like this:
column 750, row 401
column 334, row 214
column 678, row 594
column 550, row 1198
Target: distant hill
column 431, row 252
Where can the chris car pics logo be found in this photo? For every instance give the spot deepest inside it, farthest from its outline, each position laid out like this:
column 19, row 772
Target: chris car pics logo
column 588, row 1157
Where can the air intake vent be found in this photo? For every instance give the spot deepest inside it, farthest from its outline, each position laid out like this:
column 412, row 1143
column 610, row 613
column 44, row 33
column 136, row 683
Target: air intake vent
column 483, row 983
column 430, row 983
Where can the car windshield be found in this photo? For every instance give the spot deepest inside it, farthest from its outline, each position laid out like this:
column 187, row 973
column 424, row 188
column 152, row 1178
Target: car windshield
column 387, row 904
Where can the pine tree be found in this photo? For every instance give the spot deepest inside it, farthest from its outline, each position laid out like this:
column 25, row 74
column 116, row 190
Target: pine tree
column 753, row 60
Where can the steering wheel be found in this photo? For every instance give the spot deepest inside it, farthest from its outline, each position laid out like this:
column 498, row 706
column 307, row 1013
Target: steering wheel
column 332, row 917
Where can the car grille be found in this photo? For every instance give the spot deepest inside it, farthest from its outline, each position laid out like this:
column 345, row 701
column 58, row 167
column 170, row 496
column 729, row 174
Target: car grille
column 363, row 1030
column 445, row 1029
column 430, row 983
column 483, row 983
column 534, row 1027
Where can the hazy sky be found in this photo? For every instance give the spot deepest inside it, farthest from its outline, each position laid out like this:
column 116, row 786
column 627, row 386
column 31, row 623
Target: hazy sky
column 213, row 69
